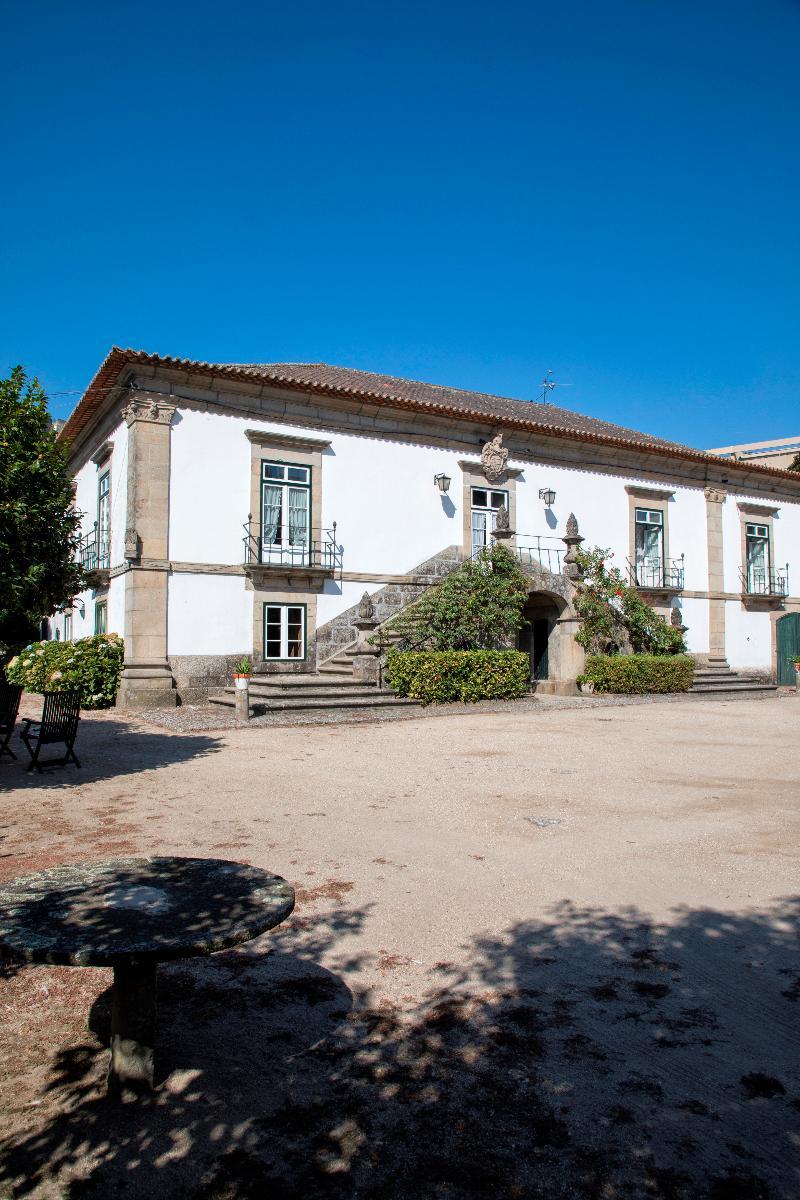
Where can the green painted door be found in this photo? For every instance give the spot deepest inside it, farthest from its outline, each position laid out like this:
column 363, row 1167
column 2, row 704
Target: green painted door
column 788, row 648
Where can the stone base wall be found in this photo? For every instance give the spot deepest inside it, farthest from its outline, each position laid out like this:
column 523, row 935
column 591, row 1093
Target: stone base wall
column 388, row 601
column 198, row 674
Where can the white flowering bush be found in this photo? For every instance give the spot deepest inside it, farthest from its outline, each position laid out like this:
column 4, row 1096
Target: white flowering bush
column 91, row 666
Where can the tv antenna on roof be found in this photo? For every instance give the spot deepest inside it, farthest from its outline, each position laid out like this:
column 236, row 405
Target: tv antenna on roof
column 548, row 387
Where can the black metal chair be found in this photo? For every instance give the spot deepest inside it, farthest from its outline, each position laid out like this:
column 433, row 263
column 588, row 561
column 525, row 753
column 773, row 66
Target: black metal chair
column 59, row 723
column 9, row 707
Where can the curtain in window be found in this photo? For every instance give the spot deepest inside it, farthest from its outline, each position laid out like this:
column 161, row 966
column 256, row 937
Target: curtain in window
column 298, row 516
column 648, row 554
column 757, row 568
column 478, row 531
column 272, row 515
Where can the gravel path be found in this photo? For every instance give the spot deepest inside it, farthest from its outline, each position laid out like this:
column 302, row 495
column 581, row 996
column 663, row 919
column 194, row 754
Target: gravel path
column 545, row 950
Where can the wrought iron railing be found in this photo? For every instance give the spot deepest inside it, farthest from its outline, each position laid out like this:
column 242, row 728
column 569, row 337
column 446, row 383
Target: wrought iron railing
column 94, row 549
column 758, row 581
column 657, row 573
column 545, row 552
column 532, row 551
column 273, row 548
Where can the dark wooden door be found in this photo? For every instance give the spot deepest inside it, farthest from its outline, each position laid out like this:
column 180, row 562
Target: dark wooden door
column 788, row 648
column 540, row 633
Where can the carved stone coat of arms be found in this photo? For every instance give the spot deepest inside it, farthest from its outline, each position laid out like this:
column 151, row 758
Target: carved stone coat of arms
column 494, row 457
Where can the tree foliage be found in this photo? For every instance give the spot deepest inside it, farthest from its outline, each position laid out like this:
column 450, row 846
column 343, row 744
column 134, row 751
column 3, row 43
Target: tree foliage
column 794, row 465
column 477, row 607
column 613, row 614
column 38, row 526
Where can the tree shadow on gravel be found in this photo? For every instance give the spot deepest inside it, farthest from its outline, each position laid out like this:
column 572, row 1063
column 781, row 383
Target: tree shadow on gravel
column 107, row 747
column 592, row 1055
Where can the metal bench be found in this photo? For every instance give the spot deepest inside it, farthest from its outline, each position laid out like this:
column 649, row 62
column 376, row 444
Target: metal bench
column 9, row 707
column 59, row 724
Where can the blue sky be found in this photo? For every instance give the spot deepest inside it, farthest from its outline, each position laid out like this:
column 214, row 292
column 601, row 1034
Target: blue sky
column 467, row 193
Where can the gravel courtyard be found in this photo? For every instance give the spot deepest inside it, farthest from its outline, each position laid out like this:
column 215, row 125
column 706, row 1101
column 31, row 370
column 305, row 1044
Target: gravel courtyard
column 536, row 952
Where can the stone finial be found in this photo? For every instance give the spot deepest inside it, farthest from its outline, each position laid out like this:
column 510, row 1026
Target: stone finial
column 494, row 457
column 572, row 539
column 366, row 609
column 676, row 619
column 502, row 528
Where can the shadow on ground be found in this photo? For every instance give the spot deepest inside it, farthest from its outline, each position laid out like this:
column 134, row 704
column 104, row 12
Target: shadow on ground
column 592, row 1055
column 106, row 747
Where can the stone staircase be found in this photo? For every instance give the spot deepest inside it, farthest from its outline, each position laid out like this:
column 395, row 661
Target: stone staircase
column 717, row 680
column 332, row 686
column 333, row 689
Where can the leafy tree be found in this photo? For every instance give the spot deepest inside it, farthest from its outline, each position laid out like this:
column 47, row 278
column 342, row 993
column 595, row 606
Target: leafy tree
column 477, row 607
column 794, row 465
column 38, row 526
column 612, row 613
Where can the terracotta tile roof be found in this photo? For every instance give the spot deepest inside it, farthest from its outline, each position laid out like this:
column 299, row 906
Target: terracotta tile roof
column 434, row 395
column 411, row 395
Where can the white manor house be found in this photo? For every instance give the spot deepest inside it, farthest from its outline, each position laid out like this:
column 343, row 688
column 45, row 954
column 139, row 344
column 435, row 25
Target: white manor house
column 244, row 509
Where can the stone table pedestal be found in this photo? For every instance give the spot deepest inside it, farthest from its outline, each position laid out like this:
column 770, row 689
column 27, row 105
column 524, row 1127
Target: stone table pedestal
column 131, row 914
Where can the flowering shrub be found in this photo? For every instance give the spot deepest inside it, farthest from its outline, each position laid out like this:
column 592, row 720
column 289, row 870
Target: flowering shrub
column 91, row 666
column 439, row 676
column 612, row 613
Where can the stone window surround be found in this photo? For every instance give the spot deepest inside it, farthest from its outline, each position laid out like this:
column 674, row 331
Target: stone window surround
column 756, row 514
column 306, row 452
column 473, row 475
column 655, row 499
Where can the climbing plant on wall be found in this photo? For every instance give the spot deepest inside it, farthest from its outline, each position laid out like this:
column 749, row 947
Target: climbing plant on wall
column 613, row 615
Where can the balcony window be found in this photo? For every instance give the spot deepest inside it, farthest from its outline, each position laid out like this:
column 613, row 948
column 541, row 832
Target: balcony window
column 649, row 559
column 485, row 504
column 103, row 549
column 284, row 631
column 285, row 513
column 757, row 553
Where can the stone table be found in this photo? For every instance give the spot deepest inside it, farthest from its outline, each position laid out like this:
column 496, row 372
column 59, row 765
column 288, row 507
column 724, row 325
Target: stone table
column 131, row 914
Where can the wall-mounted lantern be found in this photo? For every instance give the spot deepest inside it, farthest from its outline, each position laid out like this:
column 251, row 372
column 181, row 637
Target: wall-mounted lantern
column 442, row 481
column 548, row 495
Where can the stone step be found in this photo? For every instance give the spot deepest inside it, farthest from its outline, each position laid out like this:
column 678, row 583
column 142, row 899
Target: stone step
column 741, row 688
column 345, row 692
column 377, row 700
column 299, row 682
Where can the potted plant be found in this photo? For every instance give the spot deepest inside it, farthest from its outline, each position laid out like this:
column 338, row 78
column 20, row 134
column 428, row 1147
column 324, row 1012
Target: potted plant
column 241, row 676
column 796, row 661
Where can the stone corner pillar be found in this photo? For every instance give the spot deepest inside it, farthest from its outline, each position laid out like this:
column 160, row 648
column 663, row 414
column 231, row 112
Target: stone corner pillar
column 146, row 677
column 715, row 498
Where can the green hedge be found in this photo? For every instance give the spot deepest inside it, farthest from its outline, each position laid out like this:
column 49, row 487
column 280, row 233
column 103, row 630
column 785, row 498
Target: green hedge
column 440, row 676
column 638, row 674
column 91, row 666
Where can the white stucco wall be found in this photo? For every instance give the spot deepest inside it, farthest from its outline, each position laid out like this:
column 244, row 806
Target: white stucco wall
column 695, row 618
column 748, row 637
column 209, row 614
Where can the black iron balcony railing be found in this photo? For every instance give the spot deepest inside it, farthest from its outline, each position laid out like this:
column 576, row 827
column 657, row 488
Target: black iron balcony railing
column 274, row 545
column 758, row 581
column 531, row 550
column 94, row 549
column 658, row 574
column 545, row 552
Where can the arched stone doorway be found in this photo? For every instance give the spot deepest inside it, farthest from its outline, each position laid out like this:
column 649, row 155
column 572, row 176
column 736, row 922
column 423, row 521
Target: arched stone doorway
column 548, row 638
